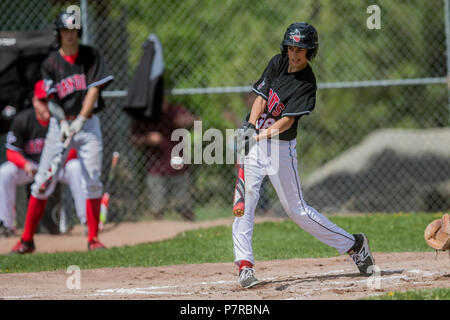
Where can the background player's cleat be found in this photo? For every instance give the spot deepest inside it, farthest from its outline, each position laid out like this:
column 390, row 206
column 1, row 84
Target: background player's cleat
column 361, row 255
column 23, row 247
column 247, row 277
column 95, row 244
column 6, row 232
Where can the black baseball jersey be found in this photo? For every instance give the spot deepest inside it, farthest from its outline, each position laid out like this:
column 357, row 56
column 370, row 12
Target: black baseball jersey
column 287, row 94
column 70, row 82
column 26, row 135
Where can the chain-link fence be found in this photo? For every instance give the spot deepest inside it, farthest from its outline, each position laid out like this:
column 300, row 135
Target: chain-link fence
column 369, row 80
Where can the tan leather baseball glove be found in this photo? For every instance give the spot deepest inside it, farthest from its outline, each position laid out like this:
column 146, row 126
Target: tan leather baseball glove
column 437, row 233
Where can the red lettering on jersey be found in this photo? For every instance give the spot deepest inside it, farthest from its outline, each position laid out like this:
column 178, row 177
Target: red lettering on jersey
column 261, row 120
column 62, row 89
column 35, row 146
column 80, row 81
column 273, row 100
column 278, row 110
column 70, row 85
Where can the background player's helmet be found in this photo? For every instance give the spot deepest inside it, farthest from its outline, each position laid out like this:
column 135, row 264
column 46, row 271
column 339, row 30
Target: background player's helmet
column 302, row 35
column 65, row 20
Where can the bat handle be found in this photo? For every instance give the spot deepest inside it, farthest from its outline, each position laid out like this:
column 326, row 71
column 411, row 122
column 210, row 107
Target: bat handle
column 115, row 158
column 104, row 207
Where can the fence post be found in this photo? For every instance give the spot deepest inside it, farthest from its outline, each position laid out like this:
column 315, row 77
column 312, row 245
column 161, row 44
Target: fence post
column 84, row 21
column 447, row 41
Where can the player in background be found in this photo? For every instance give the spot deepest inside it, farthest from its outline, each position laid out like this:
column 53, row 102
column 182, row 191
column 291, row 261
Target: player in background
column 74, row 76
column 286, row 91
column 25, row 141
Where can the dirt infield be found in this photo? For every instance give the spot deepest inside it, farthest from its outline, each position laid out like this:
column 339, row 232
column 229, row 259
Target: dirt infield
column 329, row 278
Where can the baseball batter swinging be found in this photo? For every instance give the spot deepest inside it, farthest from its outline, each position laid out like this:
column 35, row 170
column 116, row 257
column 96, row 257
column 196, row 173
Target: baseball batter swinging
column 74, row 76
column 286, row 91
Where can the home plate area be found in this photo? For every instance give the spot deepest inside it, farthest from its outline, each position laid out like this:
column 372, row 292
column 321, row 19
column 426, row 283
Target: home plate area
column 315, row 285
column 334, row 278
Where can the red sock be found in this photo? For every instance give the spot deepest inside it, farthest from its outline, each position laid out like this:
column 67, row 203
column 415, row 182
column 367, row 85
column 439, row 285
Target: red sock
column 245, row 263
column 35, row 211
column 92, row 217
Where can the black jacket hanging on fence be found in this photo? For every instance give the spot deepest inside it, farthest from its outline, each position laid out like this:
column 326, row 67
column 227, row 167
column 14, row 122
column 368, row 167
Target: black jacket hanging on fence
column 21, row 54
column 146, row 89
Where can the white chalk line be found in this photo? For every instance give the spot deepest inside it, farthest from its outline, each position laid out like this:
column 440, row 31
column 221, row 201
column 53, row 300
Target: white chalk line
column 60, row 296
column 158, row 290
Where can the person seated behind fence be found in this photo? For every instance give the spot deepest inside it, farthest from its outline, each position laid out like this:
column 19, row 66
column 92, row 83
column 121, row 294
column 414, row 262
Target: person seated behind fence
column 24, row 144
column 167, row 188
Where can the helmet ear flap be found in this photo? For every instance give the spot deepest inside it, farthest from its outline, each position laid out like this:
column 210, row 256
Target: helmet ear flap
column 309, row 54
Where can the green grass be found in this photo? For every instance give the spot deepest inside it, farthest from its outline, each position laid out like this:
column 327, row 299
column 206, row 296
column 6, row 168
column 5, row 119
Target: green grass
column 271, row 240
column 203, row 213
column 429, row 294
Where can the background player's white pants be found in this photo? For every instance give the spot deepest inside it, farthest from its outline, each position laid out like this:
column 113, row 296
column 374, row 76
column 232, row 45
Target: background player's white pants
column 282, row 171
column 89, row 146
column 11, row 176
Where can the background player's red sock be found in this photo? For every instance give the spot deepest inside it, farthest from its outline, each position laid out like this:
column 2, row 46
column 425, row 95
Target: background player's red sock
column 35, row 211
column 92, row 217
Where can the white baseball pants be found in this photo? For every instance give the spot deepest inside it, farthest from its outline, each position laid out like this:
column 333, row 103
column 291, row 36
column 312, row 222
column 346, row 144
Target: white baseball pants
column 11, row 176
column 262, row 160
column 89, row 146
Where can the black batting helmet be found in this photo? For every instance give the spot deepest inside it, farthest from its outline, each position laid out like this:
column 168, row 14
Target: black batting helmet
column 303, row 35
column 66, row 20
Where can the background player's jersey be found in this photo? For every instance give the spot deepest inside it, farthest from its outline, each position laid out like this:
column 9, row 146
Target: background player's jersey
column 27, row 135
column 70, row 82
column 287, row 94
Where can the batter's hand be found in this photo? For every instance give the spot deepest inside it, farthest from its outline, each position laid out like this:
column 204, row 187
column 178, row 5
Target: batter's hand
column 248, row 127
column 77, row 124
column 65, row 130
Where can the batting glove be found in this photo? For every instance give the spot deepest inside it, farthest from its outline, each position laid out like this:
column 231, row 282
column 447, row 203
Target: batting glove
column 77, row 124
column 248, row 127
column 65, row 130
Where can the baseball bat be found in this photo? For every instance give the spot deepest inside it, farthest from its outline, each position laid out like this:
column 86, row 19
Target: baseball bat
column 239, row 189
column 106, row 195
column 56, row 164
column 239, row 193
